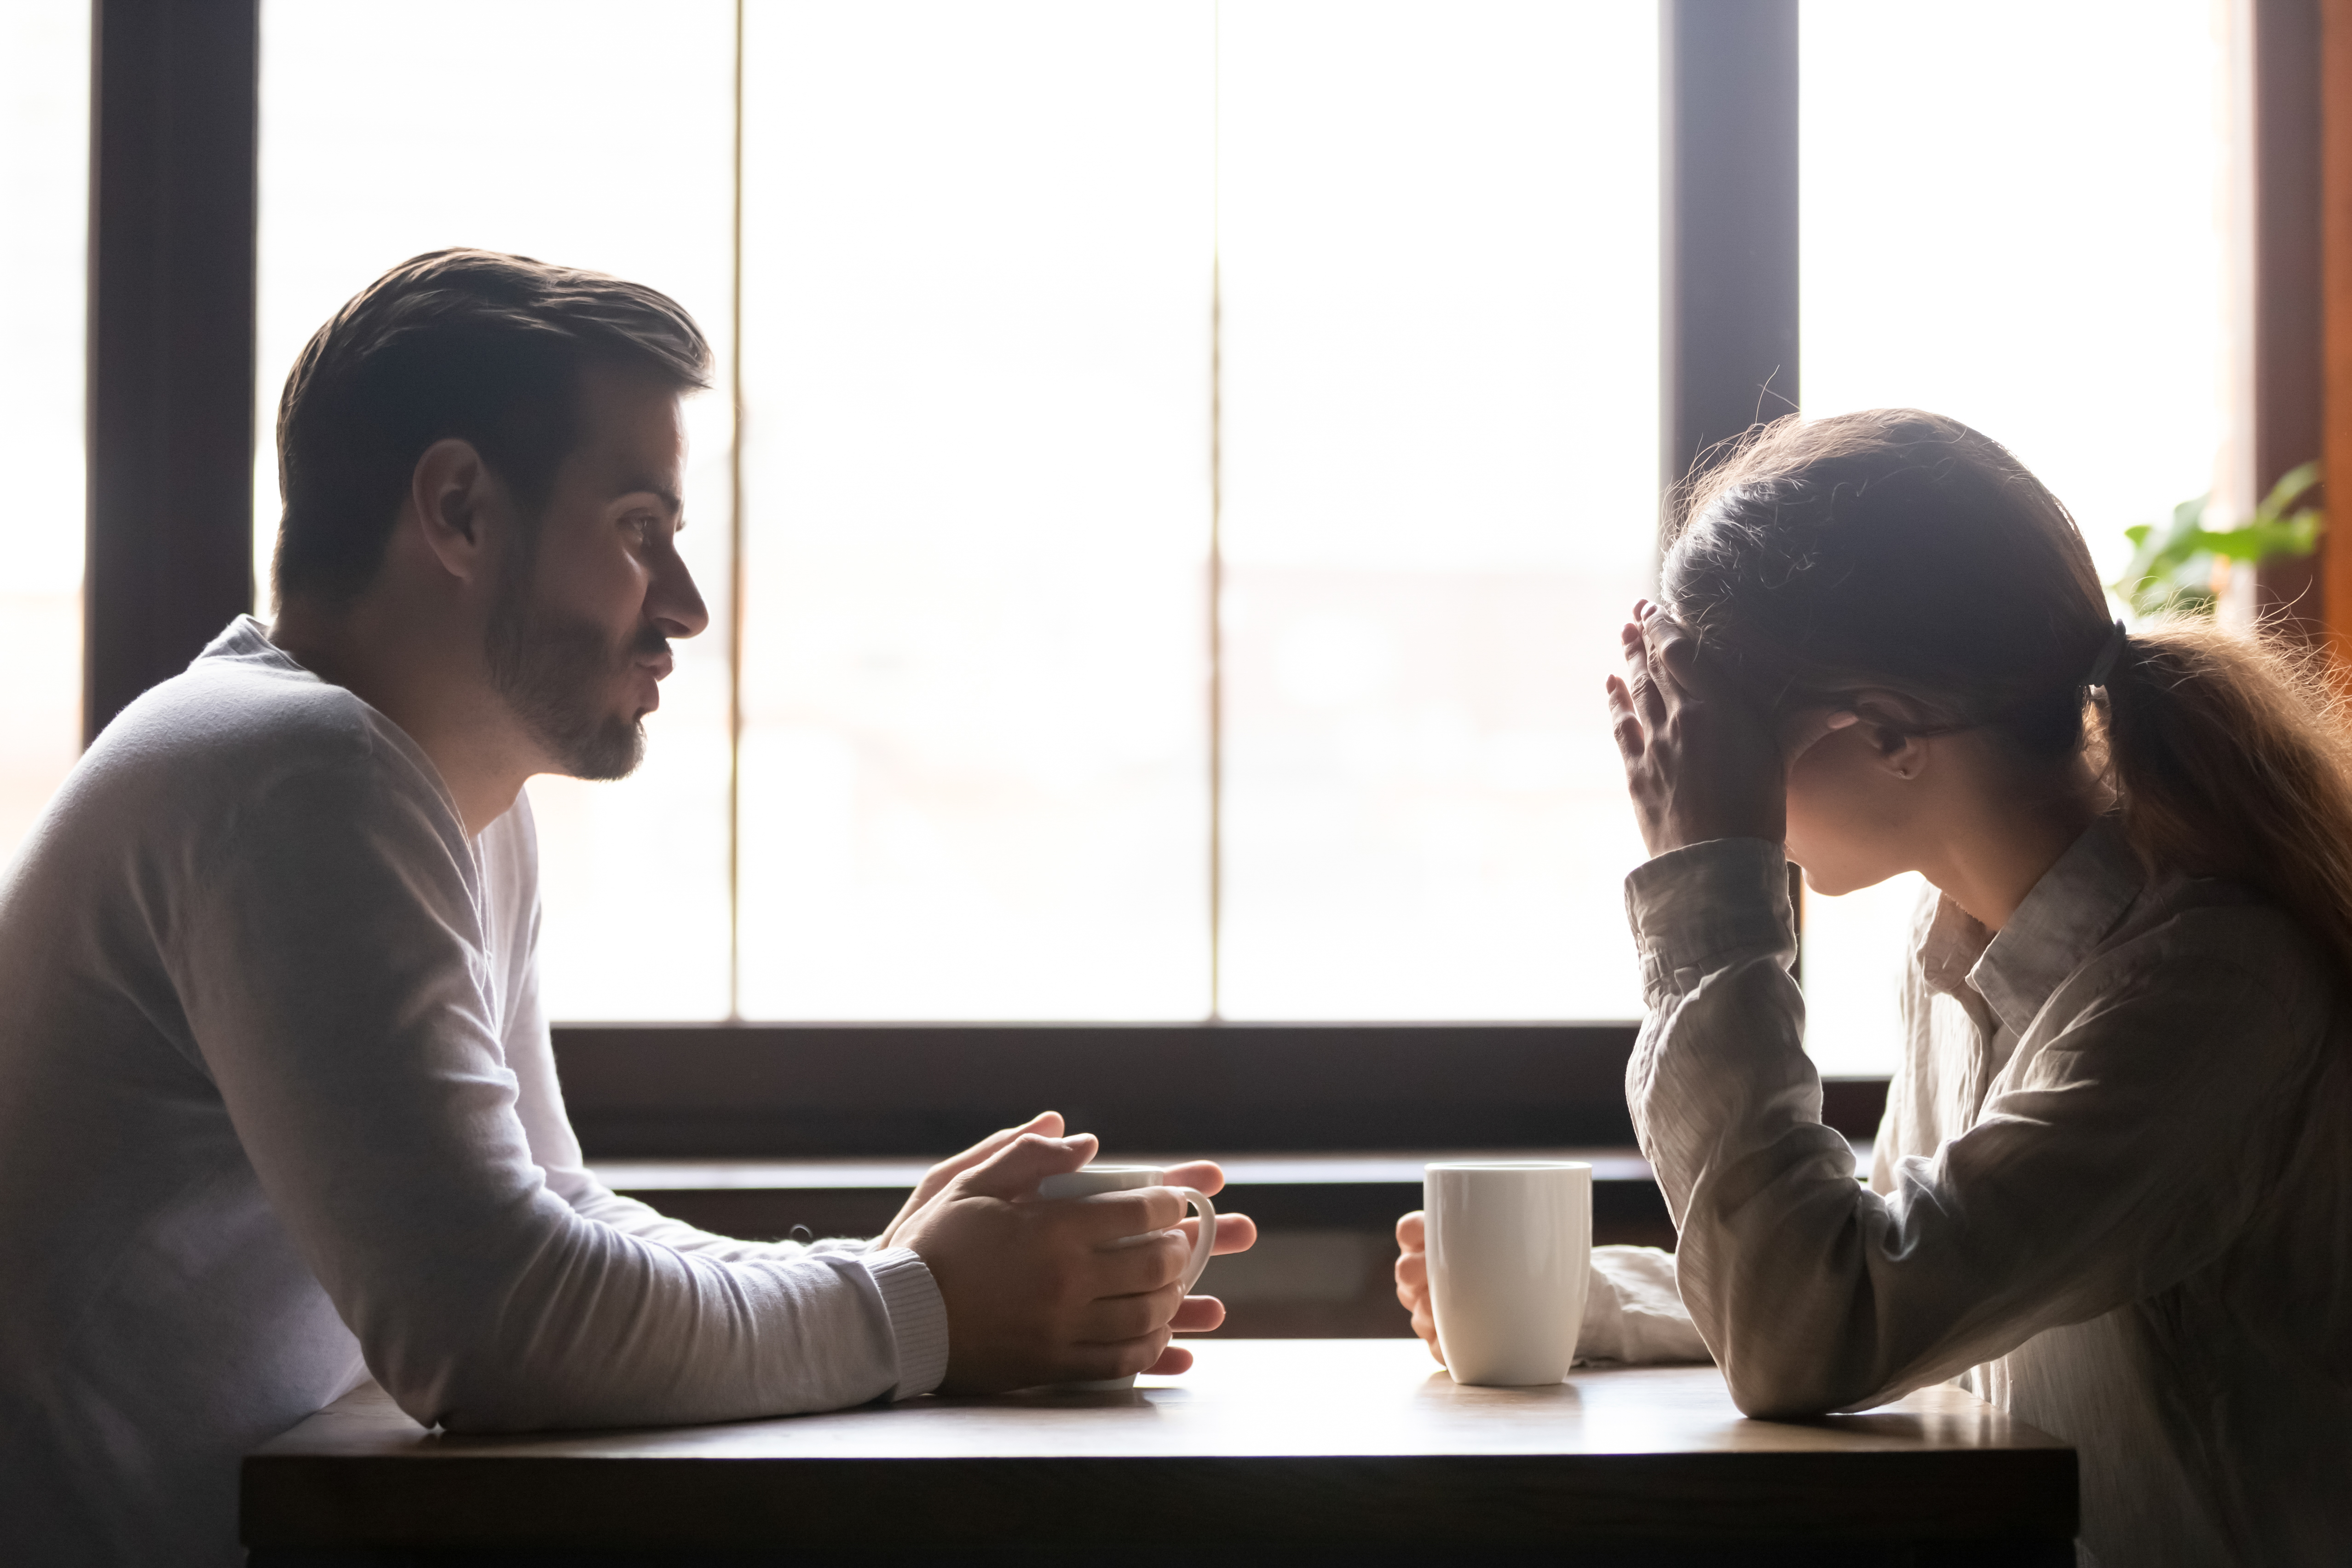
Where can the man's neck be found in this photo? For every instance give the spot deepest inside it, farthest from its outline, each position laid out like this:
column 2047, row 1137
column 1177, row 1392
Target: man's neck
column 430, row 681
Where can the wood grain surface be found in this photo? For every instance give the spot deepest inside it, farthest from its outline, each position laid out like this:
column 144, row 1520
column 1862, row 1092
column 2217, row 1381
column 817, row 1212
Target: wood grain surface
column 1265, row 1442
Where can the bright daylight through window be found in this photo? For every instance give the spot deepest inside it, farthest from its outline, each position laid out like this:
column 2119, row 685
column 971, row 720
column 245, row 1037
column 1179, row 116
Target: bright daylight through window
column 44, row 192
column 1027, row 290
column 1053, row 315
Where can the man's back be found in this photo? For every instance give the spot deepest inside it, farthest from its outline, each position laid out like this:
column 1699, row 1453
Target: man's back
column 161, row 1318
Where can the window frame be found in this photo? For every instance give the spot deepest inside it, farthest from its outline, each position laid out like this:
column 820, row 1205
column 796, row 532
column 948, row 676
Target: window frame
column 785, row 1091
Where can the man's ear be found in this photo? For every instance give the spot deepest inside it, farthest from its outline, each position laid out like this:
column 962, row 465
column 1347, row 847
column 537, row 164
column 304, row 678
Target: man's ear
column 460, row 509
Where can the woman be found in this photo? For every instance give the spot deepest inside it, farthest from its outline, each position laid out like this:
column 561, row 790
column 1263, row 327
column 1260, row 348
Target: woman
column 2113, row 1190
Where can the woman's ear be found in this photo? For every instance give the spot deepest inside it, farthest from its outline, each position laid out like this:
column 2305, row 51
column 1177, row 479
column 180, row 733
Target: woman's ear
column 1899, row 751
column 1891, row 723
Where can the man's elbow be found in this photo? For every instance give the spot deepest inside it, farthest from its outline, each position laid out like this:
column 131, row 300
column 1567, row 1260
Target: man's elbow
column 472, row 1388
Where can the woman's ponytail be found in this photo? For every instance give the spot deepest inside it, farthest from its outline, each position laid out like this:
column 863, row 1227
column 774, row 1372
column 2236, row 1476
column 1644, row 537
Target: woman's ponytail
column 2230, row 756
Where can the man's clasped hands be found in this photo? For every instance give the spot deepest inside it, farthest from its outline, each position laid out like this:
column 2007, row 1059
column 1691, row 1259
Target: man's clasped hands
column 1045, row 1290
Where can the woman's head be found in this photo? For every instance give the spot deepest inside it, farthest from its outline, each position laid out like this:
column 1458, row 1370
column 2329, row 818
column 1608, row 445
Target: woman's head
column 1901, row 565
column 1907, row 568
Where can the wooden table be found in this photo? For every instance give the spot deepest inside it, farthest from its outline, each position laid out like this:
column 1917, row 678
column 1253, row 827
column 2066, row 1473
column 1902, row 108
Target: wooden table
column 1274, row 1450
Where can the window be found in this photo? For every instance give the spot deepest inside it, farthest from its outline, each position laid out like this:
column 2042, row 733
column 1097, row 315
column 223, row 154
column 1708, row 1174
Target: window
column 1294, row 360
column 977, row 253
column 43, row 179
column 1054, row 315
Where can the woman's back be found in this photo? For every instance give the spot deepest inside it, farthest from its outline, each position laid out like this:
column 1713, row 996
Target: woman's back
column 2213, row 1411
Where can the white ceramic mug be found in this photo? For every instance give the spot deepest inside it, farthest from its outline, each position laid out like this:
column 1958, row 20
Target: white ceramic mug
column 1126, row 1178
column 1510, row 1245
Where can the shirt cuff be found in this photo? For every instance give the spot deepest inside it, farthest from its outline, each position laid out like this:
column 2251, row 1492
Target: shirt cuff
column 919, row 1319
column 1705, row 906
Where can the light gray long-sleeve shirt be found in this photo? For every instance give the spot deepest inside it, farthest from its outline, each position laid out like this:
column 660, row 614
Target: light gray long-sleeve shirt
column 278, row 1110
column 2112, row 1193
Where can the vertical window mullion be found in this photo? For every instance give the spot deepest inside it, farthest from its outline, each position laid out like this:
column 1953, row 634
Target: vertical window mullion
column 1727, row 304
column 735, row 564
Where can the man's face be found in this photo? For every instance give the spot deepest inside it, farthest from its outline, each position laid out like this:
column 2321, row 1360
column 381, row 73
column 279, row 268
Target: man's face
column 580, row 635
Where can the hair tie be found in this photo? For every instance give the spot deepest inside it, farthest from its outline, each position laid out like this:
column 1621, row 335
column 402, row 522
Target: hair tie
column 2103, row 665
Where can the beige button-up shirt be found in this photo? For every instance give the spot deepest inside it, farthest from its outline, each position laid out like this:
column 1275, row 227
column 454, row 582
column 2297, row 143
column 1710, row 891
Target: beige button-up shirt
column 2112, row 1193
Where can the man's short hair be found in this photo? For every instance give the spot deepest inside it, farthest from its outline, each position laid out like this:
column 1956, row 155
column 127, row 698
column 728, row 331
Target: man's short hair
column 464, row 344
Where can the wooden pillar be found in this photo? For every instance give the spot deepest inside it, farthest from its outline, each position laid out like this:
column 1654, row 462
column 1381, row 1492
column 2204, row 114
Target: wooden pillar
column 2282, row 315
column 172, row 168
column 2335, row 292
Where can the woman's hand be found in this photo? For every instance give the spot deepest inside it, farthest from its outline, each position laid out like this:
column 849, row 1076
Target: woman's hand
column 1701, row 761
column 1412, row 1279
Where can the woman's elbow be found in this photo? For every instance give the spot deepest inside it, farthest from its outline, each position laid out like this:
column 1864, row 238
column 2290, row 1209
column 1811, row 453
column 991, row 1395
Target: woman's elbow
column 1770, row 1389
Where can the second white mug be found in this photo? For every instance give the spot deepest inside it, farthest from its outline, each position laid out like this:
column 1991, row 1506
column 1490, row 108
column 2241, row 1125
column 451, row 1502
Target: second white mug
column 1509, row 1245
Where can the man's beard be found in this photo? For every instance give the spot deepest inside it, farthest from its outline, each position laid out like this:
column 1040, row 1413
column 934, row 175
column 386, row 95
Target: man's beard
column 554, row 673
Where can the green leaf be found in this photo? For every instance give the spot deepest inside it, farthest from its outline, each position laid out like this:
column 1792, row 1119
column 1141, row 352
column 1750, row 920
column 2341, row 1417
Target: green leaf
column 2172, row 573
column 2292, row 486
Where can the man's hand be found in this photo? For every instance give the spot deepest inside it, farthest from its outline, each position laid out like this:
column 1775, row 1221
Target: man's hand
column 1045, row 1124
column 1412, row 1279
column 1066, row 1289
column 1701, row 761
column 1235, row 1232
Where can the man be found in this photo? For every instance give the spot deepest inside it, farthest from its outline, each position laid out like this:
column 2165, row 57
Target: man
column 278, row 1107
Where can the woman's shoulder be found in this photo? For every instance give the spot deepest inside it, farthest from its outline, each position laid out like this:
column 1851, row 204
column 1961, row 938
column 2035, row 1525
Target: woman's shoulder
column 2203, row 944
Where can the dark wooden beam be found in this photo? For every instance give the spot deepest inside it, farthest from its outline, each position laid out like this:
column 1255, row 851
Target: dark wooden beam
column 172, row 240
column 2335, row 292
column 801, row 1090
column 2286, row 426
column 1728, row 157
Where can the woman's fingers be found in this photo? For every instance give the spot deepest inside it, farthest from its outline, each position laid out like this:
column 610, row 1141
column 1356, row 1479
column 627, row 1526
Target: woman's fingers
column 1667, row 651
column 1649, row 702
column 1624, row 725
column 1413, row 1279
column 1412, row 1270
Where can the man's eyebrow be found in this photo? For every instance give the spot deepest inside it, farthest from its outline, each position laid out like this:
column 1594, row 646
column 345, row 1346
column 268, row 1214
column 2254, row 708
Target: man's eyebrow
column 655, row 488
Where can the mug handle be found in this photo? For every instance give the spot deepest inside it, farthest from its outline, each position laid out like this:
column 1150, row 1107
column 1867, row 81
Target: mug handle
column 1208, row 1242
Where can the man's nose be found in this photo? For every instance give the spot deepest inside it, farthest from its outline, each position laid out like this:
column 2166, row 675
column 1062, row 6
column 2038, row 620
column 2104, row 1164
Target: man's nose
column 673, row 602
